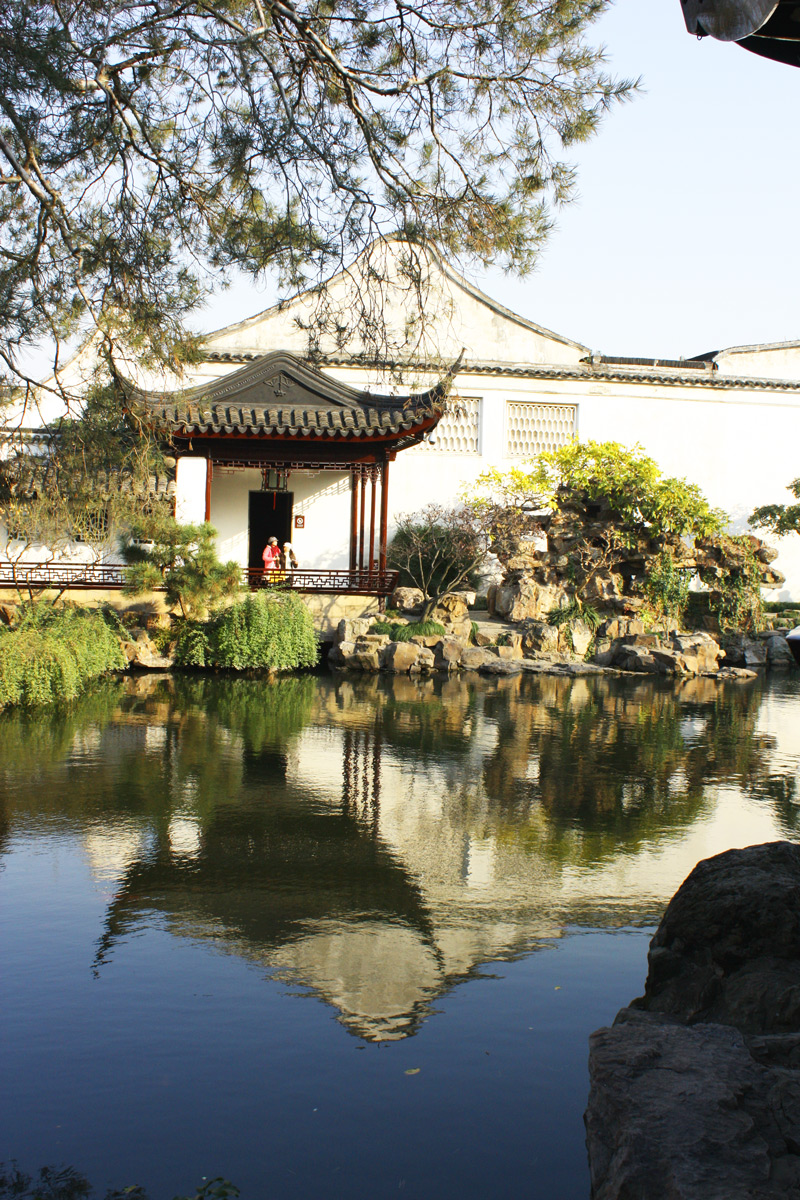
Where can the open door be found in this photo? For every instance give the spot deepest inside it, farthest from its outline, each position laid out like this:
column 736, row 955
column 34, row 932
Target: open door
column 269, row 515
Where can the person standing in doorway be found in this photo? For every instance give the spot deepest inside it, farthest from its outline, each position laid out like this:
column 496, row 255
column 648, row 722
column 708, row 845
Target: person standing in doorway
column 289, row 560
column 271, row 557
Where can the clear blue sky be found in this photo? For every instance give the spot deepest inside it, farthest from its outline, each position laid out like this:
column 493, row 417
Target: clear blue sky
column 685, row 235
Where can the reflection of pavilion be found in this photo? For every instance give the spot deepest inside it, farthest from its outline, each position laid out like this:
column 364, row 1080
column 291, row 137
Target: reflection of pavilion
column 381, row 864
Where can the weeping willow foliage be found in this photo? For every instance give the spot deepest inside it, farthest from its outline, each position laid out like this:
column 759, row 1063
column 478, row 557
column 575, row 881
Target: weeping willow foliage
column 53, row 654
column 271, row 632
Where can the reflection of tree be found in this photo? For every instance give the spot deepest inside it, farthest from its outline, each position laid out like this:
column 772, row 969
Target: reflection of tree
column 321, row 826
column 35, row 747
column 579, row 770
column 263, row 713
column 614, row 764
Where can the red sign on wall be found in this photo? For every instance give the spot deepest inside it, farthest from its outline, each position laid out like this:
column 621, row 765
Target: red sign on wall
column 299, row 522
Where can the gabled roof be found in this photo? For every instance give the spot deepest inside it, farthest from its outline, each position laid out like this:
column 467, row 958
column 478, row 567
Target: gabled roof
column 278, row 395
column 383, row 289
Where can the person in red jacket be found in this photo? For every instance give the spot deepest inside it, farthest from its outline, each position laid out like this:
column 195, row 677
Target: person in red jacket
column 271, row 555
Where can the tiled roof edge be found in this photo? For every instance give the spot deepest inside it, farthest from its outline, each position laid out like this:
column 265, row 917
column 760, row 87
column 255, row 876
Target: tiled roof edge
column 693, row 378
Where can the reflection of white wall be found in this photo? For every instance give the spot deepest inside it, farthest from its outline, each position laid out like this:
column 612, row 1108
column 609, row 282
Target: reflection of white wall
column 655, row 871
column 184, row 836
column 479, row 861
column 113, row 847
column 777, row 719
column 375, row 973
column 489, row 886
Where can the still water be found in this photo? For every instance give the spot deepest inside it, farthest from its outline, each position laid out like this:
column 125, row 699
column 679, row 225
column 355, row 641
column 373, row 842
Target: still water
column 348, row 937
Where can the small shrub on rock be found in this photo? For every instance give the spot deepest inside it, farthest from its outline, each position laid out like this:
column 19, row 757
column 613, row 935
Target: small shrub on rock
column 404, row 633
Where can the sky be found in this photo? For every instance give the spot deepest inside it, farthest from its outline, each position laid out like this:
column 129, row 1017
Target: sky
column 685, row 234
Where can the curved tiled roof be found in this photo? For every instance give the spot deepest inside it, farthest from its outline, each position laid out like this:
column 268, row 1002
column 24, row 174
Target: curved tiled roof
column 278, row 395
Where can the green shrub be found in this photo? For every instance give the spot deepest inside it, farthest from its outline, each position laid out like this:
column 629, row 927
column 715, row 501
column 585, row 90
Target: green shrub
column 404, row 633
column 666, row 589
column 381, row 627
column 54, row 653
column 574, row 611
column 272, row 631
column 191, row 647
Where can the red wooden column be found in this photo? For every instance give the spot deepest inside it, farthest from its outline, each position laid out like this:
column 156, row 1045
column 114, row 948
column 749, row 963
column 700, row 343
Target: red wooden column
column 373, row 478
column 353, row 518
column 384, row 516
column 361, row 515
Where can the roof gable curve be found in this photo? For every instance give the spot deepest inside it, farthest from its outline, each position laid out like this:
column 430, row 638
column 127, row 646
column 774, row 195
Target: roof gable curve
column 387, row 285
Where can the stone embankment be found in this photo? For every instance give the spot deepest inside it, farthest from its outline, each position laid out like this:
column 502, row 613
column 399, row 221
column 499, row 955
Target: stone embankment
column 619, row 645
column 695, row 1090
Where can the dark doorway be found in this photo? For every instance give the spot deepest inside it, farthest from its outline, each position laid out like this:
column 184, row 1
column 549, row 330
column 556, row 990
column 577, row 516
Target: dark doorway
column 269, row 515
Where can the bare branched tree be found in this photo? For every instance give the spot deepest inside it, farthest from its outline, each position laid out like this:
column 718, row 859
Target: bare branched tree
column 441, row 548
column 147, row 147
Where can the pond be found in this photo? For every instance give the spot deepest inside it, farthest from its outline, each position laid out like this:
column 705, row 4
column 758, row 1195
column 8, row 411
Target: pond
column 347, row 937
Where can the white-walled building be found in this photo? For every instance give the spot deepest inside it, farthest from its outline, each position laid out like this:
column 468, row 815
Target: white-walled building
column 728, row 421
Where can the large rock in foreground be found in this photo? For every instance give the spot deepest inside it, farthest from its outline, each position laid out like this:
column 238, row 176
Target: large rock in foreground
column 695, row 1091
column 728, row 946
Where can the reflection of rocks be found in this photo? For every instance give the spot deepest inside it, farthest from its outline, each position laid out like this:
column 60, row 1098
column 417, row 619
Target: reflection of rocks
column 712, row 1109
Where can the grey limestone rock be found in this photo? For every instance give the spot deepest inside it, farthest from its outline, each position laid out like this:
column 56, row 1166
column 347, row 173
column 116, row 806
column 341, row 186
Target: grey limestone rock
column 350, row 628
column 407, row 599
column 582, row 636
column 679, row 1113
column 501, row 666
column 779, row 656
column 538, row 637
column 473, row 657
column 744, row 651
column 400, row 657
column 447, row 654
column 728, row 946
column 143, row 653
column 695, row 1091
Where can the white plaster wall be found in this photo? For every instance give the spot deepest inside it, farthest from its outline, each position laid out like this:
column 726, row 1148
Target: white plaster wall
column 762, row 362
column 229, row 500
column 321, row 497
column 460, row 317
column 740, row 447
column 190, row 491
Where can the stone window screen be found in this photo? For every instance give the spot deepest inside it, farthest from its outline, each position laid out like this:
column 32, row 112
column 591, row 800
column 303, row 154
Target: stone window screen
column 533, row 428
column 458, row 430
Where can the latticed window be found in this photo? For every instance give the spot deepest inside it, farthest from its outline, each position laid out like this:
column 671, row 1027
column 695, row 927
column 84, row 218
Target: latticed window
column 533, row 428
column 457, row 431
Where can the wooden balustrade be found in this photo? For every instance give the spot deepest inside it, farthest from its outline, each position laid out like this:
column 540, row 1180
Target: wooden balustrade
column 37, row 576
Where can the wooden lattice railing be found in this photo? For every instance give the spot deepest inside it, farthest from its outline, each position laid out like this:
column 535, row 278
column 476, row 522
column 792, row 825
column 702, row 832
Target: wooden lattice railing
column 108, row 576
